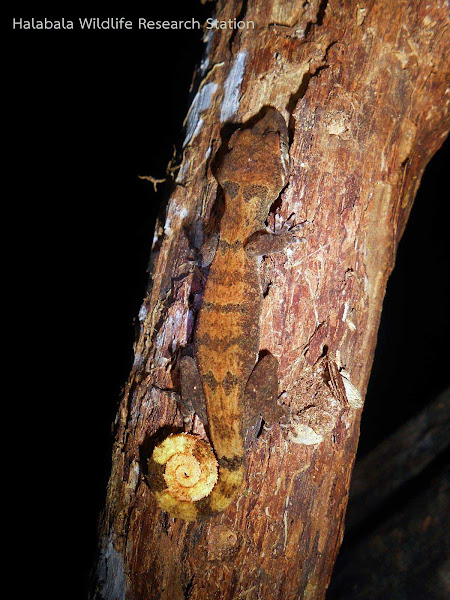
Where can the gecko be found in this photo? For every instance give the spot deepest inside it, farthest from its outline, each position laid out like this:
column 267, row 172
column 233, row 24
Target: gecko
column 224, row 373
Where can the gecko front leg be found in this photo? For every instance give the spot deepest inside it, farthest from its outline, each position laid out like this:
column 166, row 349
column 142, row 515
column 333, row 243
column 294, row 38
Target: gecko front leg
column 266, row 242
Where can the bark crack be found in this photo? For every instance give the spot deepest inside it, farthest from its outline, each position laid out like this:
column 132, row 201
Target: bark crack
column 319, row 17
column 187, row 591
column 239, row 17
column 303, row 87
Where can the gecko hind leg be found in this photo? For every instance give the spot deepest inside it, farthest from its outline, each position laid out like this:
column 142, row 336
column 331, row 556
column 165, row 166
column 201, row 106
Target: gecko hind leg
column 192, row 394
column 260, row 398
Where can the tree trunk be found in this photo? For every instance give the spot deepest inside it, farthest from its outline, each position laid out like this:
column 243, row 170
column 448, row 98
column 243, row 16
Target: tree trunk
column 362, row 88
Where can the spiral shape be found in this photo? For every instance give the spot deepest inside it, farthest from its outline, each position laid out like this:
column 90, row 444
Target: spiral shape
column 188, row 469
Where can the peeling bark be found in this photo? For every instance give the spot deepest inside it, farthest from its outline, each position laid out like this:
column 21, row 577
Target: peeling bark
column 362, row 88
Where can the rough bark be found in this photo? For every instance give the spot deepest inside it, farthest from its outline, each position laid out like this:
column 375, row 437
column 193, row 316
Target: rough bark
column 362, row 87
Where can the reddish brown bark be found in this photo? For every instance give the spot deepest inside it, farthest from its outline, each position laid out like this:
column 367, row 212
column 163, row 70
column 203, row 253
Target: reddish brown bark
column 363, row 90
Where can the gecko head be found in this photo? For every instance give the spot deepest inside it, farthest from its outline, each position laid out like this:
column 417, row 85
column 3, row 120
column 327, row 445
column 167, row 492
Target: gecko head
column 258, row 154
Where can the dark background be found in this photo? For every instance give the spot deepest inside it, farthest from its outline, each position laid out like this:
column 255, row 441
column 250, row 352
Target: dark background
column 89, row 111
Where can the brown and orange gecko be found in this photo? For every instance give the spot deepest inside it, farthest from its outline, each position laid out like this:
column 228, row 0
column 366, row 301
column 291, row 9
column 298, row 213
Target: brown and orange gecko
column 225, row 372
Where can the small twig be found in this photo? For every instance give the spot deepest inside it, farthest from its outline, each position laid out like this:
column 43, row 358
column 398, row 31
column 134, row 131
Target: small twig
column 152, row 180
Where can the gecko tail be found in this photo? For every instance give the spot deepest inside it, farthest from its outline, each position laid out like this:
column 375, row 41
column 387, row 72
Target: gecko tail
column 187, row 481
column 225, row 492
